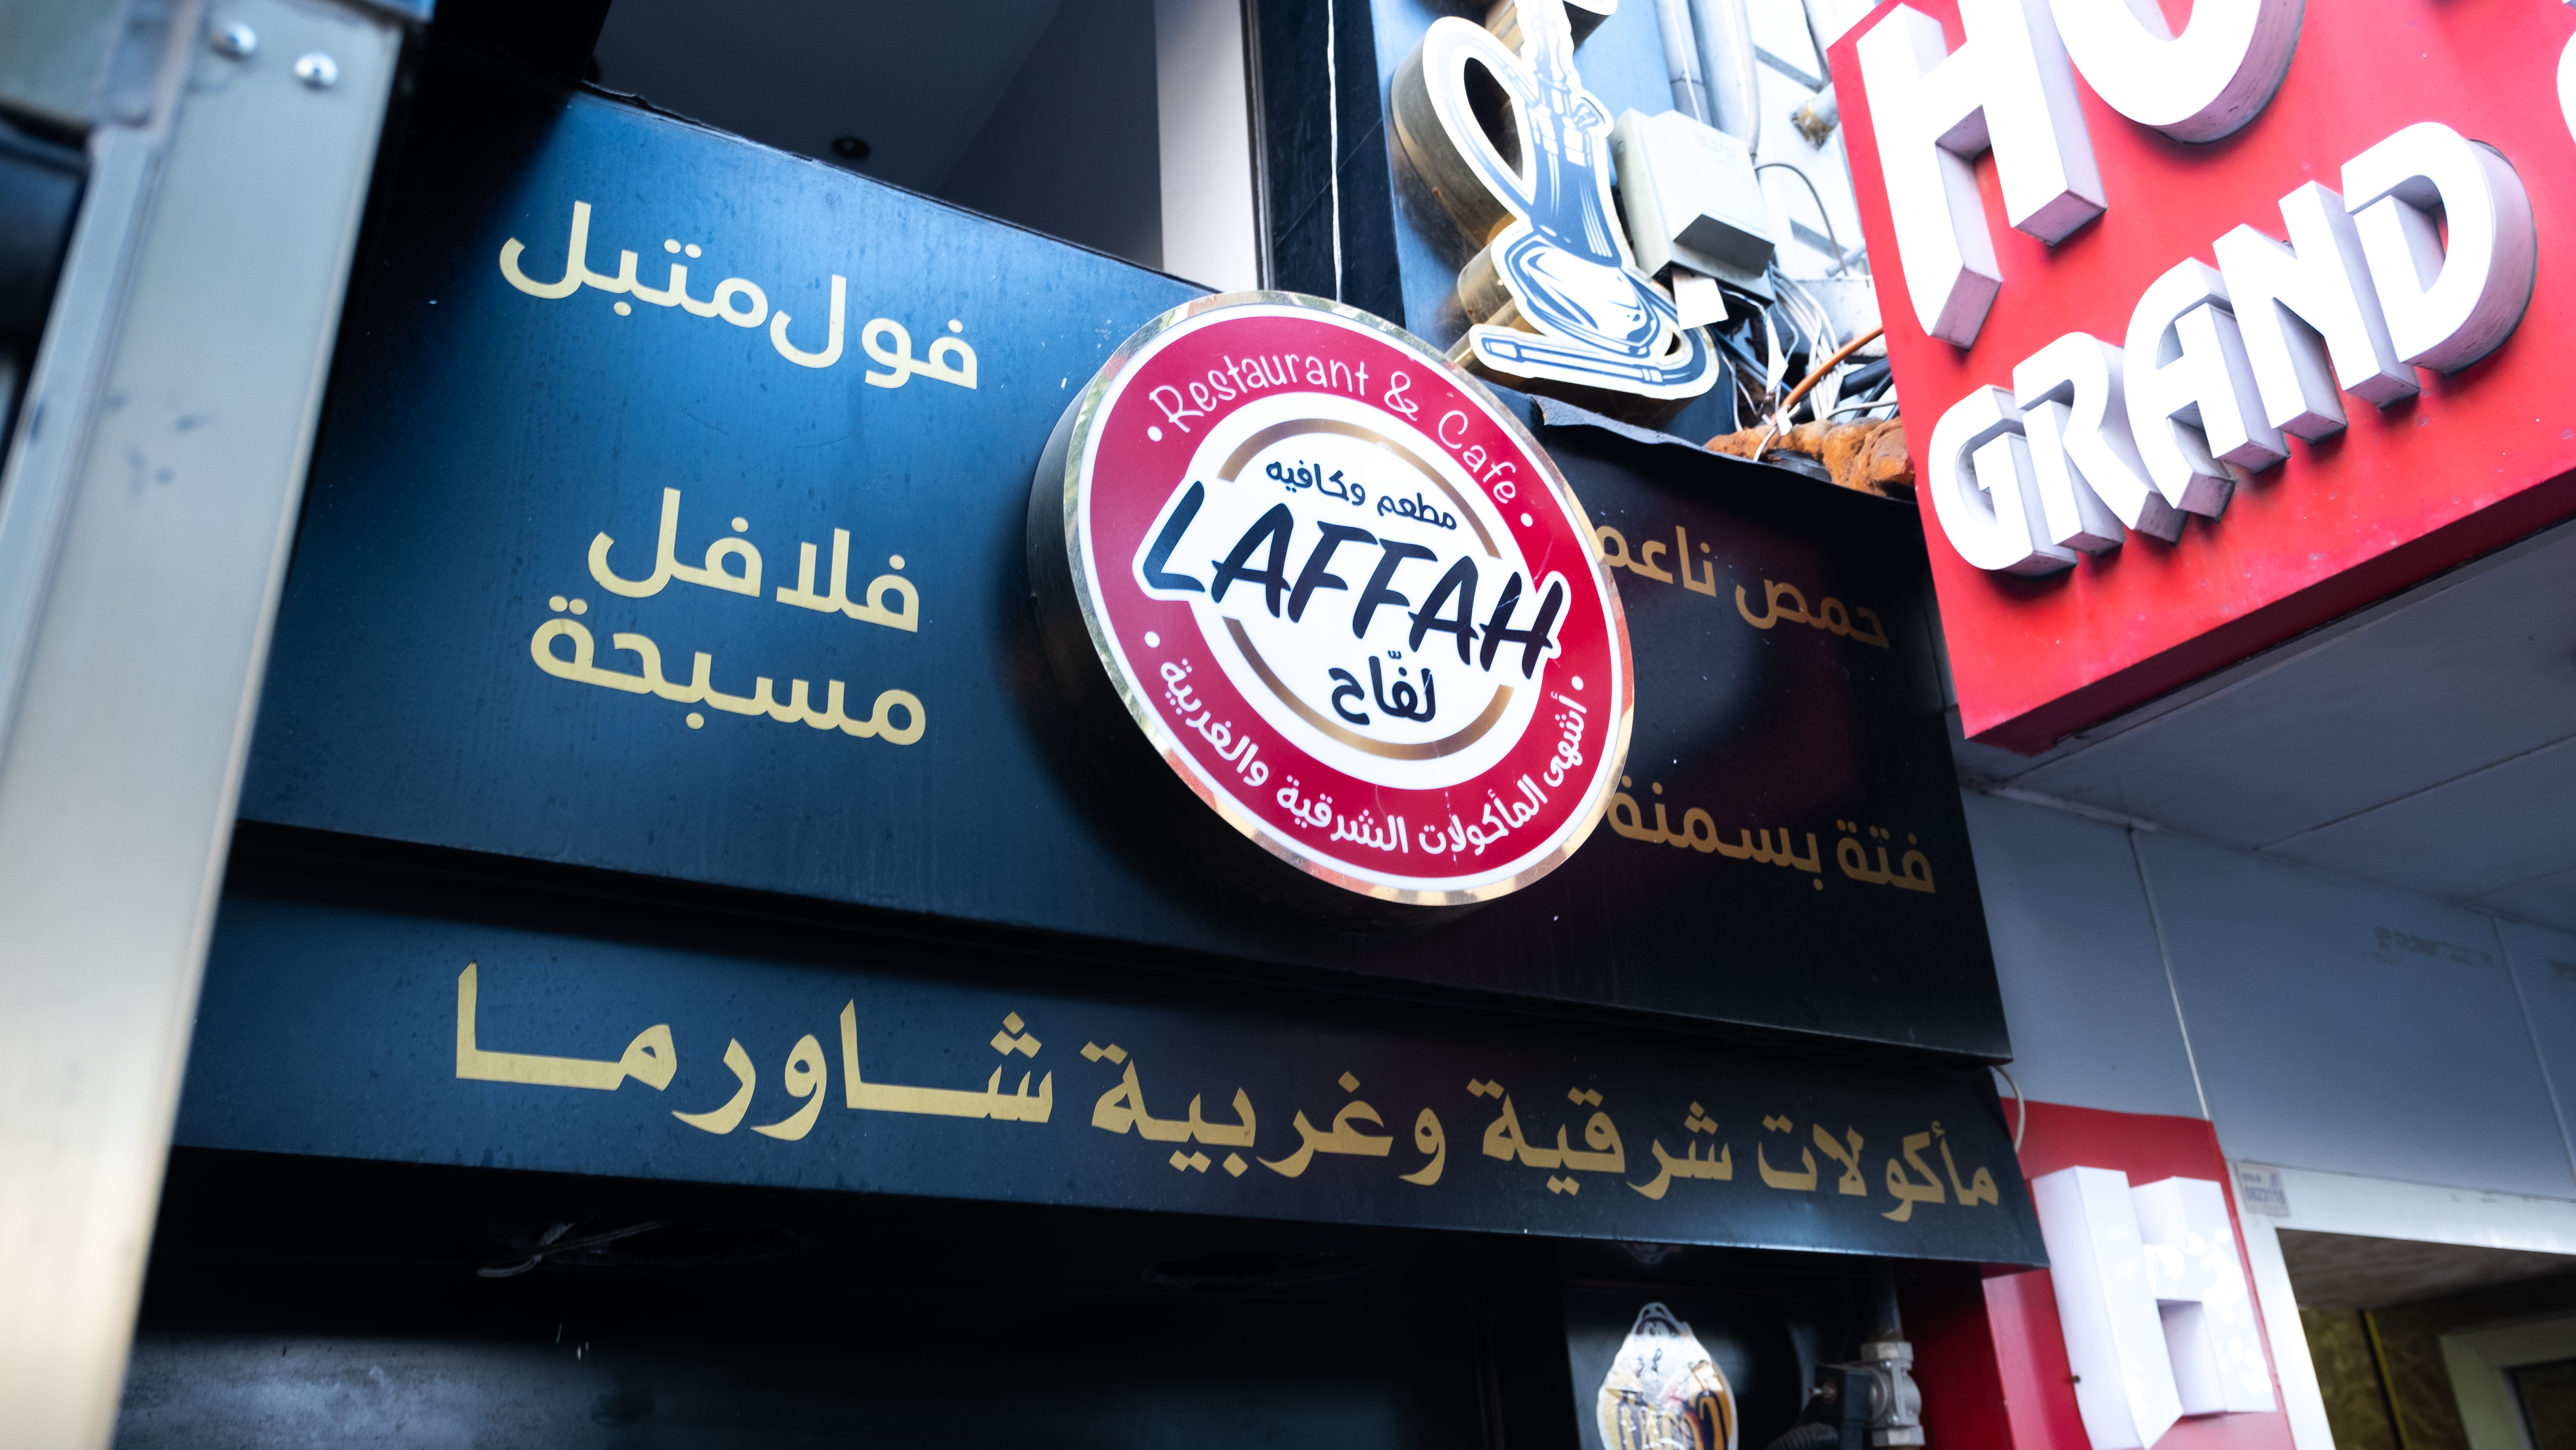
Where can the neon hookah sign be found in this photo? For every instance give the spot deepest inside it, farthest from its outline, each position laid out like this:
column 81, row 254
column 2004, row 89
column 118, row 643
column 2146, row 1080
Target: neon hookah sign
column 1555, row 295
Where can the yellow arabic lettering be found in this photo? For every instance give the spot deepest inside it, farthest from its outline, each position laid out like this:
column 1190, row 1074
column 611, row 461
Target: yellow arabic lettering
column 806, row 1078
column 950, row 360
column 1852, row 1184
column 1801, row 1182
column 1644, row 562
column 831, row 352
column 1980, row 1189
column 879, row 723
column 1907, row 1192
column 1916, row 868
column 1504, row 1140
column 1699, row 833
column 1429, row 1139
column 1343, row 1138
column 1831, row 616
column 666, row 563
column 725, row 1119
column 992, row 1102
column 650, row 1059
column 737, row 300
column 1719, row 1167
column 1705, row 580
column 906, row 615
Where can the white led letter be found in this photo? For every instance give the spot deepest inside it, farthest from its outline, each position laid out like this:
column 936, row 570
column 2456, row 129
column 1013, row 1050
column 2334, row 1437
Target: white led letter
column 2192, row 405
column 2197, row 86
column 2289, row 301
column 2092, row 485
column 2445, row 309
column 2153, row 1298
column 2115, row 1339
column 2008, row 87
column 2200, row 1290
column 1984, row 489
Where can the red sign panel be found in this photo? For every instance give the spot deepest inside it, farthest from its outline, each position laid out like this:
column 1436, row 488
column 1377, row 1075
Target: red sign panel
column 2112, row 516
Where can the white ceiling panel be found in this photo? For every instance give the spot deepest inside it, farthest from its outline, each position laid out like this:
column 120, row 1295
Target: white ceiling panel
column 2499, row 828
column 2551, row 901
column 2427, row 743
column 2476, row 673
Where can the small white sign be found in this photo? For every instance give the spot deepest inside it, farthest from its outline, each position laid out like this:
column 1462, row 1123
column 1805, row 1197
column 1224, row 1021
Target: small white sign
column 2258, row 1187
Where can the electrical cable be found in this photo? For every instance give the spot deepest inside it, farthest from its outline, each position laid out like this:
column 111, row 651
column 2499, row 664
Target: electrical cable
column 2022, row 1102
column 1781, row 418
column 552, row 1243
column 1840, row 265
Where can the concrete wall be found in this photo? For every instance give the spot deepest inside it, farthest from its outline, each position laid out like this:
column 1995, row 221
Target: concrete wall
column 2326, row 1023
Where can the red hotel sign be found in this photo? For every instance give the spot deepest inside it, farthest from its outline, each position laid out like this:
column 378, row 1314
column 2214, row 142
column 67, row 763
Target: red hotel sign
column 2245, row 327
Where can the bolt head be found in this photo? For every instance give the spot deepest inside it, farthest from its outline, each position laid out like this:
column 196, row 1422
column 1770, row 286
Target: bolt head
column 317, row 70
column 236, row 40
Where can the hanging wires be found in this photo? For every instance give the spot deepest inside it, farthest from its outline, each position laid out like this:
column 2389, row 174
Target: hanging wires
column 1815, row 375
column 1841, row 264
column 2022, row 1102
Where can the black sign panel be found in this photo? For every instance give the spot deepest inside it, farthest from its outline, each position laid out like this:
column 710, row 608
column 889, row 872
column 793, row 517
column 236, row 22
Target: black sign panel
column 725, row 1052
column 668, row 519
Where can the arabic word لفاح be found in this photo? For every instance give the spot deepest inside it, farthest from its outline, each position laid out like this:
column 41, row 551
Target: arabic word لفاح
column 1862, row 626
column 1355, row 1128
column 740, row 301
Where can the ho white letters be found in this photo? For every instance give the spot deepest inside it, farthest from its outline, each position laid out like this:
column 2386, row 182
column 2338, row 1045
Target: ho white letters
column 2220, row 364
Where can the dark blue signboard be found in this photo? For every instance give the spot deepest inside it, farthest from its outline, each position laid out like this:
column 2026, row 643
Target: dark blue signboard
column 668, row 519
column 363, row 1031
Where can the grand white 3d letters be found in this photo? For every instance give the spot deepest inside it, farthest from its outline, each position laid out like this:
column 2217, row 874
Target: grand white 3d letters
column 2219, row 364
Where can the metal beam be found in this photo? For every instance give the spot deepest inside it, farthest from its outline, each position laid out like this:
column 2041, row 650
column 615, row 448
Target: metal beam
column 173, row 460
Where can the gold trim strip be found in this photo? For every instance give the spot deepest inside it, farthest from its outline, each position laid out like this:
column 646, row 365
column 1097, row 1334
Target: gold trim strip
column 1427, row 750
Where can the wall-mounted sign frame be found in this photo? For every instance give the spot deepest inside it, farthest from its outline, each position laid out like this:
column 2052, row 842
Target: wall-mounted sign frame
column 353, row 1017
column 522, row 624
column 1344, row 596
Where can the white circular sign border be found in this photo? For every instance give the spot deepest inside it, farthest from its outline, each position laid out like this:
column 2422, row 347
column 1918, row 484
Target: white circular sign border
column 1082, row 446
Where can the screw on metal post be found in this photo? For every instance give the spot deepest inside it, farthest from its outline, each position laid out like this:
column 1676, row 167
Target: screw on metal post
column 236, row 40
column 317, row 70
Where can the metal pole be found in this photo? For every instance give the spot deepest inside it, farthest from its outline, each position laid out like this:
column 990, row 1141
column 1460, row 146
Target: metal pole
column 153, row 492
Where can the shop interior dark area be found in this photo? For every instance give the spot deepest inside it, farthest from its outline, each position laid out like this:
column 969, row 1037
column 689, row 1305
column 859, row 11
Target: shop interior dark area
column 288, row 1292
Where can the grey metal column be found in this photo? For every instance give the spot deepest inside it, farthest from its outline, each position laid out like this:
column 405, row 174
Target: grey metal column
column 144, row 523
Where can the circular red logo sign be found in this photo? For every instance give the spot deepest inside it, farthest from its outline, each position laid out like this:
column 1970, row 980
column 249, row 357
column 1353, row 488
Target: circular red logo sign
column 1345, row 596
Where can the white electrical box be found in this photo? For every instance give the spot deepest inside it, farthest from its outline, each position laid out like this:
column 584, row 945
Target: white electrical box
column 1692, row 200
